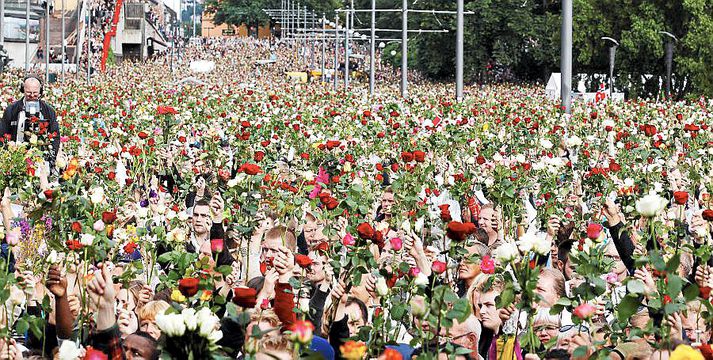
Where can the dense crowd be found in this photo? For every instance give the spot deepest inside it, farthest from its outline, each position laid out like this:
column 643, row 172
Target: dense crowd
column 238, row 214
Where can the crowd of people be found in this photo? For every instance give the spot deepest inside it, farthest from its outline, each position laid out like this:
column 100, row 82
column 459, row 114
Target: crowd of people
column 243, row 215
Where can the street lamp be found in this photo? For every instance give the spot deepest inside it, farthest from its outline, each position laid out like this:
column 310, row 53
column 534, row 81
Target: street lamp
column 612, row 55
column 669, row 59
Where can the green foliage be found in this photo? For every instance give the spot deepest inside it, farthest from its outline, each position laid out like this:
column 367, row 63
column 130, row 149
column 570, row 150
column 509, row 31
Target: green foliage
column 515, row 40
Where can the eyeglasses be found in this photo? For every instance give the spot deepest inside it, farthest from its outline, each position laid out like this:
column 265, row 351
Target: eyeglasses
column 582, row 328
column 546, row 327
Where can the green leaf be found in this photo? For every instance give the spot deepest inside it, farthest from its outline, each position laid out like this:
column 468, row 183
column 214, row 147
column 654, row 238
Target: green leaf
column 691, row 292
column 635, row 286
column 675, row 283
column 628, row 307
column 673, row 263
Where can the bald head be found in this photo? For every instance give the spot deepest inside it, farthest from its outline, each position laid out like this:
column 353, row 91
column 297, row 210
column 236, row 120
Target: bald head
column 32, row 89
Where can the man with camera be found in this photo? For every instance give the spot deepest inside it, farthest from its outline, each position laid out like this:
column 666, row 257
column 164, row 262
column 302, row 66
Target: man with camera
column 30, row 118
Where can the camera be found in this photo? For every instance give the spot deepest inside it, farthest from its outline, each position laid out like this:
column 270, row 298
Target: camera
column 32, row 108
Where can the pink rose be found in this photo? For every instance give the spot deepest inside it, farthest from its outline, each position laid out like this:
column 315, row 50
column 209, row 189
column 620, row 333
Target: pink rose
column 487, row 265
column 414, row 271
column 438, row 267
column 584, row 311
column 348, row 240
column 12, row 237
column 396, row 243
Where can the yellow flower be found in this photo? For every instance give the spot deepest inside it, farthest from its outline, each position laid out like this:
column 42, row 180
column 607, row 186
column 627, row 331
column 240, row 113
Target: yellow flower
column 353, row 350
column 685, row 352
column 206, row 295
column 177, row 296
column 486, row 126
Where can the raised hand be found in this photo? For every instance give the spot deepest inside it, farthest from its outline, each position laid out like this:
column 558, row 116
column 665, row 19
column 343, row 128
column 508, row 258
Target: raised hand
column 56, row 282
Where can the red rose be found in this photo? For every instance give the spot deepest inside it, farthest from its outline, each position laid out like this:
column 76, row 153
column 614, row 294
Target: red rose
column 378, row 239
column 73, row 244
column 331, row 144
column 48, row 194
column 130, row 247
column 324, row 197
column 216, row 245
column 323, row 246
column 94, row 354
column 458, row 231
column 594, row 230
column 445, row 212
column 303, row 261
column 250, row 169
column 406, row 156
column 108, row 217
column 111, row 175
column 143, row 135
column 76, row 227
column 613, row 166
column 259, row 155
column 188, row 286
column 419, row 156
column 332, row 204
column 438, row 267
column 245, row 297
column 708, row 215
column 365, row 231
column 680, row 197
column 480, row 160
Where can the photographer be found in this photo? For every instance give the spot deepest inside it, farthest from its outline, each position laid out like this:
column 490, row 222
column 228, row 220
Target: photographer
column 31, row 116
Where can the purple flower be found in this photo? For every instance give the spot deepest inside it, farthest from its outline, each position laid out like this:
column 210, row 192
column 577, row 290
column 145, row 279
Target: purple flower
column 153, row 194
column 144, row 203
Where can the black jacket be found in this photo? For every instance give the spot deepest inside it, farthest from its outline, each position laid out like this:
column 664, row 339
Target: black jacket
column 8, row 126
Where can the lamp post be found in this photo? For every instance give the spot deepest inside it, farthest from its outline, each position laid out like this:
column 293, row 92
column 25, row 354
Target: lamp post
column 404, row 49
column 459, row 52
column 566, row 56
column 612, row 57
column 27, row 36
column 372, row 46
column 670, row 41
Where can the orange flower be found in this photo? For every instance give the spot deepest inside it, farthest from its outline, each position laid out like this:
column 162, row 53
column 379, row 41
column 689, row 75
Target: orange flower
column 353, row 350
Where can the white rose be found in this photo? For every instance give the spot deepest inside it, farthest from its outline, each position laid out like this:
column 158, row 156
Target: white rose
column 170, row 214
column 189, row 318
column 86, row 239
column 99, row 225
column 215, row 336
column 489, row 182
column 96, row 195
column 171, row 324
column 526, row 243
column 542, row 246
column 497, row 157
column 421, row 280
column 208, row 322
column 33, row 139
column 650, row 205
column 547, row 144
column 142, row 212
column 69, row 350
column 53, row 257
column 573, row 141
column 506, row 252
column 381, row 288
column 232, row 183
